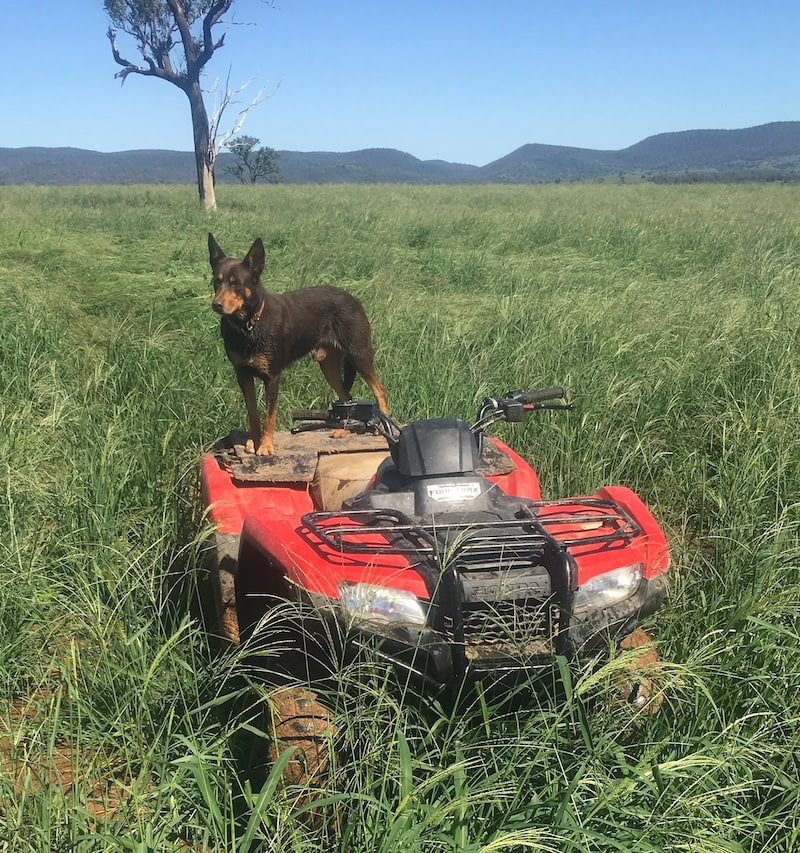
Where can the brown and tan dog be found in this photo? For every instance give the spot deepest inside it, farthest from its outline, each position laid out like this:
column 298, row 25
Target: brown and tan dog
column 265, row 332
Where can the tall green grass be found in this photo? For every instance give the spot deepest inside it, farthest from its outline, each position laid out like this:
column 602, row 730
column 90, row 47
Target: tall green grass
column 673, row 316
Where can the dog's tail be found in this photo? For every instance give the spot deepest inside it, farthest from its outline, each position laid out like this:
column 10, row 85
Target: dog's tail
column 349, row 374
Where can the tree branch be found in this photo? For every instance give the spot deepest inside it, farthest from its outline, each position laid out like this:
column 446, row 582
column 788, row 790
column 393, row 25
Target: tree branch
column 217, row 144
column 212, row 18
column 176, row 7
column 129, row 67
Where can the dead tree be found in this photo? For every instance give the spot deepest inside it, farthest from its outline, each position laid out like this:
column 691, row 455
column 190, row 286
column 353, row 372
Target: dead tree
column 217, row 140
column 176, row 40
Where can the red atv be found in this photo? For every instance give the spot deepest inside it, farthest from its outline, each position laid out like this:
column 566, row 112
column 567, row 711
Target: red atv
column 428, row 544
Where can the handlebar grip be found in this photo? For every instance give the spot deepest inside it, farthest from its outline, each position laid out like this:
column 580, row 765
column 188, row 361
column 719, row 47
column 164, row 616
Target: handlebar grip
column 556, row 392
column 310, row 414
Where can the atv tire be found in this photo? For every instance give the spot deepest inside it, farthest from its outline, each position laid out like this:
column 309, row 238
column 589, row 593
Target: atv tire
column 635, row 686
column 297, row 719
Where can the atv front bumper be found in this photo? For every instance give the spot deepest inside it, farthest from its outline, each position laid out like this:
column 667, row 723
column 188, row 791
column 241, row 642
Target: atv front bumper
column 428, row 656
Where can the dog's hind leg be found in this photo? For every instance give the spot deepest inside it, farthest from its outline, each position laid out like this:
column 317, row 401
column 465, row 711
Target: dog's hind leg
column 367, row 369
column 378, row 391
column 248, row 386
column 331, row 361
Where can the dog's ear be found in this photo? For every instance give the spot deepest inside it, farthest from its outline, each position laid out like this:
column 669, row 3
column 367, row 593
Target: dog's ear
column 255, row 258
column 215, row 254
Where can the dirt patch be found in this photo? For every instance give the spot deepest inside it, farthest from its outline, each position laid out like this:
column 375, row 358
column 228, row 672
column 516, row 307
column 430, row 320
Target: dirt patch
column 32, row 764
column 34, row 759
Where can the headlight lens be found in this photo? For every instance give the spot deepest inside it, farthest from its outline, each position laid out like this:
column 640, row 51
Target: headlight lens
column 366, row 602
column 609, row 588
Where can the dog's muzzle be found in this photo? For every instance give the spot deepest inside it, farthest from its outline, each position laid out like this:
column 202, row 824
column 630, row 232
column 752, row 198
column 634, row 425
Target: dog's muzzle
column 216, row 306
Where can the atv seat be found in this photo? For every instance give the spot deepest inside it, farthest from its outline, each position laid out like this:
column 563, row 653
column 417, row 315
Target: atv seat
column 340, row 476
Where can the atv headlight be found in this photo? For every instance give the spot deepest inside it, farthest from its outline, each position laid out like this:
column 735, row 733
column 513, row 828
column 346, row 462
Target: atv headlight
column 607, row 589
column 367, row 602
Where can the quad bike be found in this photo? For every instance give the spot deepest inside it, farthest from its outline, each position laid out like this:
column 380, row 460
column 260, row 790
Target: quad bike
column 429, row 545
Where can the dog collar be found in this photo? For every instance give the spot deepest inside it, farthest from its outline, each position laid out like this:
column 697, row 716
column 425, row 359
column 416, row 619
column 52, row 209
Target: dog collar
column 256, row 317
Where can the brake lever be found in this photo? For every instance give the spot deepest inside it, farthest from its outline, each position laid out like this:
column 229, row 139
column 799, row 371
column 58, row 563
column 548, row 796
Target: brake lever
column 535, row 406
column 384, row 425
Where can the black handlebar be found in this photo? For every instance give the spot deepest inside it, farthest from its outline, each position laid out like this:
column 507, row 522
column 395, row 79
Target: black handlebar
column 514, row 405
column 351, row 415
column 340, row 410
column 360, row 417
column 555, row 392
column 310, row 414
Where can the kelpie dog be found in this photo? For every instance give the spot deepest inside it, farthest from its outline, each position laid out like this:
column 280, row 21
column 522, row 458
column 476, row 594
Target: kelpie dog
column 265, row 332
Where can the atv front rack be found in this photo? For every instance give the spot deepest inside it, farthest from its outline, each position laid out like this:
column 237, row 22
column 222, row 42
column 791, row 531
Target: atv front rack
column 350, row 531
column 616, row 523
column 401, row 534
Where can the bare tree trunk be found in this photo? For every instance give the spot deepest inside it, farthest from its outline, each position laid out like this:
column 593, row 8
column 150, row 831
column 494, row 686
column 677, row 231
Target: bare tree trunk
column 202, row 147
column 208, row 197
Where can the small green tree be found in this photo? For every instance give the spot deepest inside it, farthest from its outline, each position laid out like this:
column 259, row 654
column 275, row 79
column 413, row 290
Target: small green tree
column 253, row 163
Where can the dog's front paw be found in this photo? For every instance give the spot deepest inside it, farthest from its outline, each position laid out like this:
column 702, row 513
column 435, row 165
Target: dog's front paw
column 265, row 448
column 250, row 446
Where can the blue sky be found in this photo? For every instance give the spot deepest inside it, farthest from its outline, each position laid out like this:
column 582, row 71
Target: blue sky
column 459, row 80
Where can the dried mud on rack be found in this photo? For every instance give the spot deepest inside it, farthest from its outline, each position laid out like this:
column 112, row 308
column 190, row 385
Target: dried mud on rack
column 295, row 458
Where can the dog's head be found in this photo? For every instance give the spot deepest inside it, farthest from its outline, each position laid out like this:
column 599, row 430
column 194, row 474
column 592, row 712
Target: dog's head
column 236, row 283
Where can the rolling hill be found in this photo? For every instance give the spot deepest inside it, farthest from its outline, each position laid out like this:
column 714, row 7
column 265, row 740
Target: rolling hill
column 765, row 152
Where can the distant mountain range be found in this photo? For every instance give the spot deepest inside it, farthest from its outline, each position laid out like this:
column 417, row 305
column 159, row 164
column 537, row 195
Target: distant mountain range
column 766, row 152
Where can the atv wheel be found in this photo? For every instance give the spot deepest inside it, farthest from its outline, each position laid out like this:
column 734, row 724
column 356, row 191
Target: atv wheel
column 229, row 625
column 635, row 686
column 298, row 719
column 222, row 577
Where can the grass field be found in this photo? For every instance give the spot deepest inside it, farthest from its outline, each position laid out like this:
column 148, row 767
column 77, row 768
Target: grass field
column 673, row 316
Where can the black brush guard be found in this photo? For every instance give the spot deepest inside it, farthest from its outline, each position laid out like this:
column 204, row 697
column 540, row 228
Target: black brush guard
column 475, row 611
